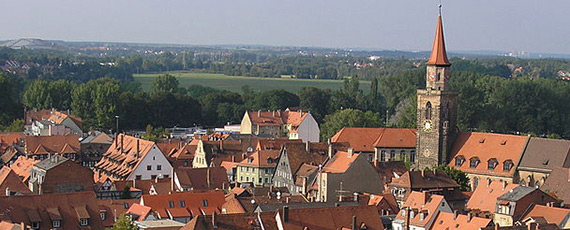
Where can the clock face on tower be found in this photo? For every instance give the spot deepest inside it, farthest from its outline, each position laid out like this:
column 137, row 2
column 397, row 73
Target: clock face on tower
column 427, row 125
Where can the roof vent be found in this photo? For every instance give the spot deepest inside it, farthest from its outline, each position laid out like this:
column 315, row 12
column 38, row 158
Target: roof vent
column 482, row 140
column 504, row 142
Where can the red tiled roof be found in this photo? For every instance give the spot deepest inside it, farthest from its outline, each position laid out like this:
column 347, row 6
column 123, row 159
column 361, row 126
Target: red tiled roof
column 446, row 221
column 552, row 215
column 161, row 186
column 9, row 180
column 71, row 207
column 485, row 196
column 139, row 210
column 424, row 179
column 203, row 178
column 114, row 208
column 330, row 218
column 340, row 162
column 487, row 146
column 23, row 167
column 194, row 202
column 438, row 54
column 261, row 158
column 365, row 139
column 275, row 118
column 51, row 144
column 421, row 202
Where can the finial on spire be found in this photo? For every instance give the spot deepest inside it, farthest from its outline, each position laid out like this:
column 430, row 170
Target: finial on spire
column 440, row 7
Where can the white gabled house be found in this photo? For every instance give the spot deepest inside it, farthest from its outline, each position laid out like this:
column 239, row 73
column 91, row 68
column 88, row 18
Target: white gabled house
column 291, row 124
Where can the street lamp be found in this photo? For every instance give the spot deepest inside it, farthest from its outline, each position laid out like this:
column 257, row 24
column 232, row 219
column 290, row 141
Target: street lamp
column 117, row 130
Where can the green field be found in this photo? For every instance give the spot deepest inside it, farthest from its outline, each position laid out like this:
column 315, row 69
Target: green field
column 234, row 83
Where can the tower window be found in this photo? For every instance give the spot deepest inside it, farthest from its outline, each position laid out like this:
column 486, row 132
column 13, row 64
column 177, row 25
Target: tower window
column 438, row 77
column 428, row 111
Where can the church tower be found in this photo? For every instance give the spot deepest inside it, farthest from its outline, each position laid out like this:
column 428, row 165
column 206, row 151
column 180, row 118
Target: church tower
column 436, row 108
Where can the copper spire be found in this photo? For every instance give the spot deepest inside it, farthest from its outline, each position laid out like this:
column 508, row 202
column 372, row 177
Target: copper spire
column 438, row 54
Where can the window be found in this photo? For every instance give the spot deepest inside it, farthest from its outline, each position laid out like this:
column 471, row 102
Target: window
column 102, row 215
column 260, row 180
column 185, row 164
column 159, row 167
column 246, row 178
column 507, row 165
column 428, row 111
column 459, row 161
column 370, row 158
column 492, row 164
column 84, row 222
column 269, row 161
column 473, row 162
column 205, row 203
column 182, row 204
column 153, row 177
column 56, row 223
column 402, row 155
column 250, row 160
column 149, row 167
column 35, row 225
column 392, row 155
column 240, row 178
column 171, row 204
column 382, row 155
column 266, row 180
column 413, row 156
column 138, row 177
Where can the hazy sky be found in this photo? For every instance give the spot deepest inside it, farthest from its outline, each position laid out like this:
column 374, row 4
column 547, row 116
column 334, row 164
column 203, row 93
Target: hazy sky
column 529, row 25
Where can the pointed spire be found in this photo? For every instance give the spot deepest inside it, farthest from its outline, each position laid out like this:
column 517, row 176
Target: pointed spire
column 438, row 54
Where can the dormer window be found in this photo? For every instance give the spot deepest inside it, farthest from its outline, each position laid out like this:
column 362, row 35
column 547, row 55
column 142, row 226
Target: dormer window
column 171, row 204
column 84, row 222
column 249, row 160
column 507, row 165
column 492, row 164
column 56, row 223
column 473, row 162
column 269, row 161
column 459, row 160
column 205, row 203
column 35, row 225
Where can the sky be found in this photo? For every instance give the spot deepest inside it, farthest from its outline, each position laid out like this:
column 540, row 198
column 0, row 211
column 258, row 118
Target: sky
column 470, row 25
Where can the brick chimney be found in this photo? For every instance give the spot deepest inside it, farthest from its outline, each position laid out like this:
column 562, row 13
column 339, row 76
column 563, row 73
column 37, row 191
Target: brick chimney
column 121, row 148
column 308, row 146
column 354, row 223
column 331, row 152
column 285, row 214
column 350, row 152
column 214, row 224
column 138, row 148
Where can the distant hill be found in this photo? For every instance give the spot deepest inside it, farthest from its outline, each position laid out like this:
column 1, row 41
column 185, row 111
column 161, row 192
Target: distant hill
column 32, row 43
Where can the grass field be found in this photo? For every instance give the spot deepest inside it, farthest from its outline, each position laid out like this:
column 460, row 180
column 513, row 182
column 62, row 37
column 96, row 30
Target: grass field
column 233, row 83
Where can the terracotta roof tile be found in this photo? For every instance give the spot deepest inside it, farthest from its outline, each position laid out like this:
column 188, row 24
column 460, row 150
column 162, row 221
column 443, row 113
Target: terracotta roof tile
column 51, row 144
column 485, row 196
column 9, row 180
column 485, row 147
column 552, row 215
column 446, row 221
column 261, row 158
column 558, row 182
column 340, row 162
column 160, row 186
column 274, row 118
column 139, row 210
column 424, row 179
column 246, row 221
column 421, row 201
column 365, row 139
column 543, row 153
column 192, row 201
column 197, row 178
column 23, row 166
column 330, row 218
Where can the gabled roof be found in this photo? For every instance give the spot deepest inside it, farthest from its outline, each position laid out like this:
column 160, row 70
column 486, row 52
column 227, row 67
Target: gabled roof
column 378, row 200
column 487, row 146
column 424, row 179
column 552, row 215
column 340, row 162
column 114, row 208
column 276, row 118
column 51, row 144
column 297, row 156
column 186, row 152
column 139, row 210
column 23, row 167
column 447, row 221
column 160, row 186
column 203, row 178
column 484, row 198
column 261, row 158
column 421, row 202
column 330, row 218
column 229, row 222
column 193, row 202
column 70, row 207
column 124, row 156
column 97, row 137
column 365, row 139
column 543, row 153
column 438, row 54
column 558, row 182
column 9, row 180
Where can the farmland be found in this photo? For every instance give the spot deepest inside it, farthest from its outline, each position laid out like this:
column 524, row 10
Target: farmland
column 235, row 83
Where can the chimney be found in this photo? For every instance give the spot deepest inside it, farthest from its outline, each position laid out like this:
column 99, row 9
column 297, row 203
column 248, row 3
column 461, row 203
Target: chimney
column 121, row 148
column 469, row 217
column 408, row 213
column 504, row 185
column 221, row 145
column 8, row 191
column 273, row 113
column 355, row 197
column 331, row 149
column 455, row 214
column 138, row 148
column 172, row 180
column 304, row 189
column 233, row 158
column 434, row 172
column 134, row 183
column 208, row 177
column 287, row 200
column 300, row 113
column 354, row 225
column 285, row 214
column 117, row 141
column 423, row 173
column 214, row 220
column 350, row 152
column 497, row 227
column 259, row 113
column 308, row 146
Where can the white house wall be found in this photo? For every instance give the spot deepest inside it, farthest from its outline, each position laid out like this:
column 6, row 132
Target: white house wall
column 154, row 157
column 309, row 129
